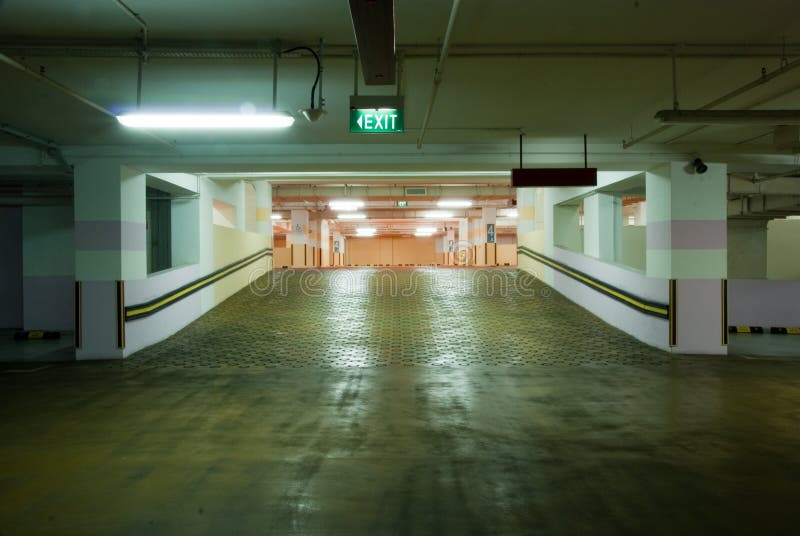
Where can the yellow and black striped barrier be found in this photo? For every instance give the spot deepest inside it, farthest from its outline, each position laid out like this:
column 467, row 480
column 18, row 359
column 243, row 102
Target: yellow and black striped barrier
column 746, row 329
column 784, row 331
column 642, row 305
column 142, row 310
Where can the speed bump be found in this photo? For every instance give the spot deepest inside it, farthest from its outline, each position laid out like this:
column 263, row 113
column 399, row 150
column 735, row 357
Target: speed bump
column 745, row 329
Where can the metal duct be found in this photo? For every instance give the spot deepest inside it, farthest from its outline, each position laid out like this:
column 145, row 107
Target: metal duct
column 373, row 23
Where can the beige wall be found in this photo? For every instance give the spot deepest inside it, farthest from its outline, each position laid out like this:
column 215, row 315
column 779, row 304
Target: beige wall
column 231, row 245
column 507, row 253
column 282, row 257
column 392, row 251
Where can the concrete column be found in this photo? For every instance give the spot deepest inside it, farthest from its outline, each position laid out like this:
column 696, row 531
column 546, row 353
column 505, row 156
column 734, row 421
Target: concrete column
column 450, row 245
column 463, row 245
column 687, row 241
column 110, row 246
column 297, row 239
column 338, row 249
column 313, row 242
column 263, row 208
column 602, row 226
column 476, row 239
column 489, row 217
column 747, row 249
column 325, row 242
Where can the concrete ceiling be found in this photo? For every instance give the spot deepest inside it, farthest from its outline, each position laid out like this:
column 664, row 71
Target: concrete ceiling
column 555, row 96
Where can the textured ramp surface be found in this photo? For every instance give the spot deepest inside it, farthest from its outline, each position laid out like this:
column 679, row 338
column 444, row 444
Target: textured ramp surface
column 364, row 317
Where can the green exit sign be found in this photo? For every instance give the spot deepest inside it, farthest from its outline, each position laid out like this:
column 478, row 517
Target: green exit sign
column 377, row 121
column 402, row 204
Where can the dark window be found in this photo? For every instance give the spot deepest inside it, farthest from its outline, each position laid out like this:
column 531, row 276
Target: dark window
column 159, row 230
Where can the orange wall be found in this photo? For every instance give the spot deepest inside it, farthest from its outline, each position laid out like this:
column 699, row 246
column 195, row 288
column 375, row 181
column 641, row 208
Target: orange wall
column 392, row 251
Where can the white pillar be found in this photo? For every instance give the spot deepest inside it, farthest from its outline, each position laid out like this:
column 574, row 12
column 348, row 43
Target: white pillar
column 687, row 241
column 602, row 227
column 338, row 249
column 450, row 245
column 464, row 245
column 489, row 221
column 298, row 238
column 263, row 208
column 325, row 242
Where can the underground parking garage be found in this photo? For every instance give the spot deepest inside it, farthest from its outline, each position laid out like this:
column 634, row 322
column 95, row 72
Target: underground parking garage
column 398, row 267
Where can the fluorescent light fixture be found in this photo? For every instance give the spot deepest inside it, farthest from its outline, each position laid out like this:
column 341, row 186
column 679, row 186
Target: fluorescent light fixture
column 423, row 234
column 276, row 217
column 510, row 213
column 366, row 231
column 438, row 214
column 729, row 117
column 200, row 121
column 351, row 216
column 426, row 230
column 345, row 204
column 454, row 203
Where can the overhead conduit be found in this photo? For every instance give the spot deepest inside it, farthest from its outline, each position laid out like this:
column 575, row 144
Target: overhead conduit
column 723, row 99
column 438, row 71
column 69, row 92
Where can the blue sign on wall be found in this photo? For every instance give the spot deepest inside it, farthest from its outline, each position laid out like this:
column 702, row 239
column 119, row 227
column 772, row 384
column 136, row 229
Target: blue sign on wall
column 490, row 233
column 336, row 246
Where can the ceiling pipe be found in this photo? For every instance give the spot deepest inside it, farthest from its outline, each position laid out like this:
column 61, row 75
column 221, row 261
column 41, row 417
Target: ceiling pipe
column 438, row 71
column 67, row 91
column 255, row 50
column 785, row 174
column 51, row 148
column 763, row 79
column 751, row 104
column 135, row 16
column 729, row 117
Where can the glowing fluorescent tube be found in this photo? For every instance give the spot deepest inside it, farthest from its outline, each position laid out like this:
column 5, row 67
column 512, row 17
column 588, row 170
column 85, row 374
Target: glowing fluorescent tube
column 346, row 205
column 351, row 216
column 206, row 121
column 454, row 203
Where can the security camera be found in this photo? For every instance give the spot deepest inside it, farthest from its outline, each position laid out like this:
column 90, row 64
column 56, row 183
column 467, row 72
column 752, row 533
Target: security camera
column 699, row 166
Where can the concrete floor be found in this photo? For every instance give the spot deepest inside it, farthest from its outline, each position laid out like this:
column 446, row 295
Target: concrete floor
column 764, row 344
column 588, row 443
column 36, row 351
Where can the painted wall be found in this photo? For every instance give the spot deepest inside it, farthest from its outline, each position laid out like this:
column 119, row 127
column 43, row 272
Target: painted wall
column 634, row 247
column 218, row 246
column 759, row 302
column 747, row 249
column 542, row 222
column 392, row 251
column 11, row 267
column 48, row 265
column 783, row 249
column 507, row 253
column 231, row 245
column 282, row 257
